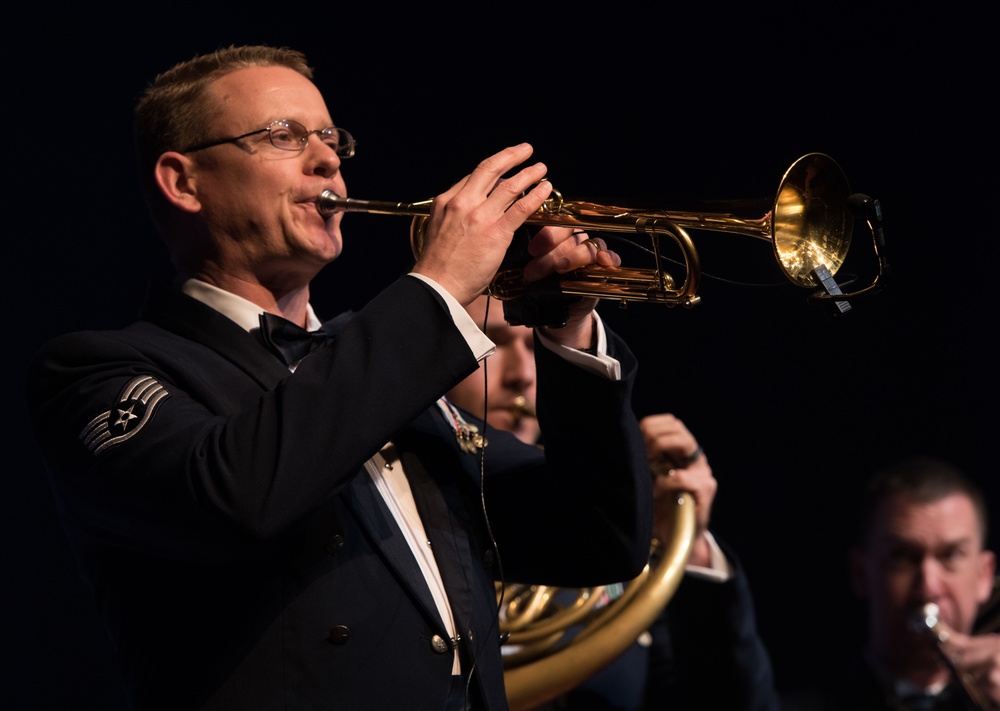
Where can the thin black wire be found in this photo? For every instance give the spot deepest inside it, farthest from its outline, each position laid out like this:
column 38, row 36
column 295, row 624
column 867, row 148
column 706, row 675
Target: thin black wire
column 704, row 274
column 495, row 624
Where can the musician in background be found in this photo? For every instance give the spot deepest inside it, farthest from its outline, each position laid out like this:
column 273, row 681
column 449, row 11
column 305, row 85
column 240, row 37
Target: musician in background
column 922, row 536
column 703, row 652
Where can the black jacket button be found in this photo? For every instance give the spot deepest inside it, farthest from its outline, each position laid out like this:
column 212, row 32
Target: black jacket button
column 339, row 634
column 335, row 544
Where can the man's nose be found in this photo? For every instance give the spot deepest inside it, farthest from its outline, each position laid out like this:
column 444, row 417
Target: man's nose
column 930, row 578
column 320, row 158
column 519, row 366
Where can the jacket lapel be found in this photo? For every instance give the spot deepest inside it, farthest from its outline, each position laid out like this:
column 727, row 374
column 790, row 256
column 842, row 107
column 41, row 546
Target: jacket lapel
column 374, row 516
column 441, row 510
column 427, row 448
column 421, row 447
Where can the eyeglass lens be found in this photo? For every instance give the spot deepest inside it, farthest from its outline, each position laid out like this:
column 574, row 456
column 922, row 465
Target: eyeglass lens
column 292, row 136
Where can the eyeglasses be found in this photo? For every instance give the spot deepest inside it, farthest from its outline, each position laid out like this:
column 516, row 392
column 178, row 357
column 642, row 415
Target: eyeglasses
column 291, row 135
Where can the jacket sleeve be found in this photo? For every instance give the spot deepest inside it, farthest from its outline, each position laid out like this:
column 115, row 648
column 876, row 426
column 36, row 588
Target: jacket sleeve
column 586, row 518
column 707, row 652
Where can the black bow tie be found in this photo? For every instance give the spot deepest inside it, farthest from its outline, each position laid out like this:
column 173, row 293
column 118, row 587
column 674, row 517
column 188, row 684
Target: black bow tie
column 289, row 342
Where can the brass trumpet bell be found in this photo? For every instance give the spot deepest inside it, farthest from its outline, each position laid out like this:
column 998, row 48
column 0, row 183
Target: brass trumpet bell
column 810, row 225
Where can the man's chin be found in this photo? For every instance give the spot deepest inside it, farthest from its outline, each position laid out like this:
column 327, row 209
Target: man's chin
column 526, row 430
column 325, row 247
column 502, row 420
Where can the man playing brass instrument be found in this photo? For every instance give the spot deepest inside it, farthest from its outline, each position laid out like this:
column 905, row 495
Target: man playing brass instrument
column 279, row 513
column 703, row 652
column 922, row 548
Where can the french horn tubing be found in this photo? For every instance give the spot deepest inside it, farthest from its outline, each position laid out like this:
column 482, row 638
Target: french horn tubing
column 542, row 657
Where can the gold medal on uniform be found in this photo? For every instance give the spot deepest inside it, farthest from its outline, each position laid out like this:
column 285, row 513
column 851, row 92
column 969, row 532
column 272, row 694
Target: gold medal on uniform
column 468, row 437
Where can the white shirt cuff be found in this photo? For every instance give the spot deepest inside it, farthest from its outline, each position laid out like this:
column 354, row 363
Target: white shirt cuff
column 600, row 364
column 719, row 569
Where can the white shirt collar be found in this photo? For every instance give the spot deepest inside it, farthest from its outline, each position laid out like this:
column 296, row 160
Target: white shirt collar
column 244, row 312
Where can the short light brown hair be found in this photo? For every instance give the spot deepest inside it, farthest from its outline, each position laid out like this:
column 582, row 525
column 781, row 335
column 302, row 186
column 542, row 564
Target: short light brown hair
column 174, row 111
column 923, row 480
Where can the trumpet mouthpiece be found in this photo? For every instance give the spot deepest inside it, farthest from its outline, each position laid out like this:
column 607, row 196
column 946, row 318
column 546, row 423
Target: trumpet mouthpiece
column 329, row 203
column 926, row 620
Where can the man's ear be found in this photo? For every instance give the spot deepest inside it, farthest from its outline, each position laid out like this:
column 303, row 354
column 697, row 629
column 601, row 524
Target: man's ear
column 856, row 572
column 175, row 176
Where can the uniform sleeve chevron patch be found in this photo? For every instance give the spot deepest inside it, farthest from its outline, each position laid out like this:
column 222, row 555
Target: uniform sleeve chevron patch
column 136, row 404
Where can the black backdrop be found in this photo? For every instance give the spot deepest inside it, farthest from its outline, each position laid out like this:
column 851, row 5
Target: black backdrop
column 634, row 106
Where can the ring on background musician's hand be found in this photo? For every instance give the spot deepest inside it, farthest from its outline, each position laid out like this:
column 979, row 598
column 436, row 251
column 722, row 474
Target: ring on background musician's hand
column 693, row 457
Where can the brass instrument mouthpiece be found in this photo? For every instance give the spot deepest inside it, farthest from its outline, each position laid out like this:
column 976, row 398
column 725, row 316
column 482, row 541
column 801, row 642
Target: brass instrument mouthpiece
column 524, row 408
column 926, row 619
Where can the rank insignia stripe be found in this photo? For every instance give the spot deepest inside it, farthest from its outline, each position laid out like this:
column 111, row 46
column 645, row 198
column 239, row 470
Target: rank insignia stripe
column 136, row 404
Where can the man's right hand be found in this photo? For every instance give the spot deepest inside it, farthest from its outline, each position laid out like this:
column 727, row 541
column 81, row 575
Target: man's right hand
column 977, row 659
column 472, row 224
column 678, row 464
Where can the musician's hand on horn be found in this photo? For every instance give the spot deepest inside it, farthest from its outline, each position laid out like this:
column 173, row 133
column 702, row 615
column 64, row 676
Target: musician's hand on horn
column 558, row 250
column 977, row 659
column 678, row 465
column 471, row 225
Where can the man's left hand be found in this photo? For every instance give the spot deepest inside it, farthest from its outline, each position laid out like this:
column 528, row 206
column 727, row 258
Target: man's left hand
column 558, row 250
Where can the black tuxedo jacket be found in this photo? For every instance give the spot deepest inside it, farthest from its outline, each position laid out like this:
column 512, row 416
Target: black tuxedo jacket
column 237, row 548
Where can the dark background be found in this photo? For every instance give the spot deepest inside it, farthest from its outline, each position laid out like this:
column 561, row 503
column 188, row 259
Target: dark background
column 625, row 105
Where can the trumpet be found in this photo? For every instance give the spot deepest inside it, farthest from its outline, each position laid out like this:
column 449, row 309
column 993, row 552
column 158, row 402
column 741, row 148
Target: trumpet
column 809, row 227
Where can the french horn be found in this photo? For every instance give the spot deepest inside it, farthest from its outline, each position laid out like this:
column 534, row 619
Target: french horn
column 554, row 644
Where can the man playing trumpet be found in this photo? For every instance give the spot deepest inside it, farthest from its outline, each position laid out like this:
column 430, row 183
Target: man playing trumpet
column 279, row 513
column 921, row 564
